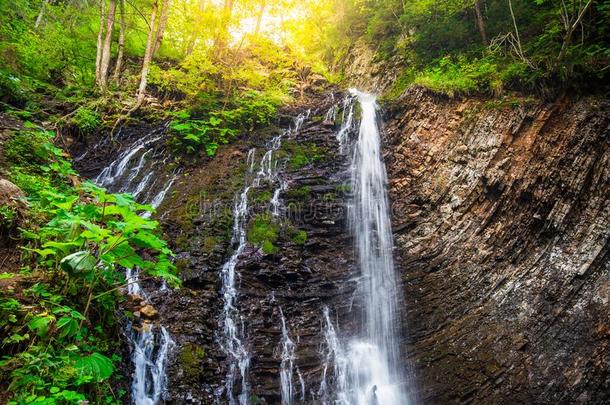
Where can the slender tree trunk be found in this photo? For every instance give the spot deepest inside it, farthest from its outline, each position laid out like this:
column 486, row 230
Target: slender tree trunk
column 100, row 36
column 41, row 13
column 198, row 21
column 150, row 42
column 571, row 27
column 223, row 31
column 119, row 59
column 480, row 21
column 105, row 63
column 162, row 24
column 259, row 18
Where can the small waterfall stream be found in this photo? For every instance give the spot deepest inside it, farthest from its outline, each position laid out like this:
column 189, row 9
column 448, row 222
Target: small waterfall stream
column 136, row 171
column 234, row 338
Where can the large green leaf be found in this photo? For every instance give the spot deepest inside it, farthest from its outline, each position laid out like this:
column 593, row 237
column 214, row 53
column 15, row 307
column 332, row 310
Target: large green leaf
column 40, row 324
column 79, row 262
column 95, row 365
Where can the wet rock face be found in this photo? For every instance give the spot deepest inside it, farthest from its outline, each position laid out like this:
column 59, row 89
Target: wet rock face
column 501, row 218
column 311, row 266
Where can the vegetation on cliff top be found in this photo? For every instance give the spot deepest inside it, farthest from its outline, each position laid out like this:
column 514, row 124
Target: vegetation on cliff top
column 466, row 46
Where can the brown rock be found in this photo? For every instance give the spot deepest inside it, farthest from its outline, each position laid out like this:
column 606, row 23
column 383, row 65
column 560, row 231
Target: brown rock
column 149, row 312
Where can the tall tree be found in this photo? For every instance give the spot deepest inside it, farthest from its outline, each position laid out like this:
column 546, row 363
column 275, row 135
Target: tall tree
column 119, row 59
column 100, row 36
column 148, row 53
column 106, row 48
column 259, row 17
column 223, row 29
column 480, row 21
column 162, row 24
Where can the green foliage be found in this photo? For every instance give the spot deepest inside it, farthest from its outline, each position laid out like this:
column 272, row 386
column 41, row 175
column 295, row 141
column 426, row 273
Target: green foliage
column 13, row 90
column 299, row 237
column 193, row 135
column 86, row 120
column 440, row 46
column 263, row 232
column 462, row 77
column 78, row 238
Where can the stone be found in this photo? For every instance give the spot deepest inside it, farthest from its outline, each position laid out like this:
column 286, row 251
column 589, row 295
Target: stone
column 149, row 312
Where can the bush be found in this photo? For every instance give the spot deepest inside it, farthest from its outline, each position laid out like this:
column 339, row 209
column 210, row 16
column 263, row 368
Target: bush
column 86, row 120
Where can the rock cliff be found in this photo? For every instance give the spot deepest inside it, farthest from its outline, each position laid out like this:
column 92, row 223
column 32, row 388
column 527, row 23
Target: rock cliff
column 501, row 220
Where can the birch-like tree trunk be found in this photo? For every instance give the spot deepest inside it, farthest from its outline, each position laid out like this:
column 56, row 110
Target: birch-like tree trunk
column 105, row 60
column 163, row 16
column 119, row 59
column 259, row 18
column 100, row 36
column 148, row 53
column 41, row 13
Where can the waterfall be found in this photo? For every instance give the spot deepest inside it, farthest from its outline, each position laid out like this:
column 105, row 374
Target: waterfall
column 367, row 367
column 233, row 339
column 151, row 343
column 375, row 371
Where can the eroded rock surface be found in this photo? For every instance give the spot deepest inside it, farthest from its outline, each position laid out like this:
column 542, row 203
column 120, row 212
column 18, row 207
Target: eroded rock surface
column 502, row 219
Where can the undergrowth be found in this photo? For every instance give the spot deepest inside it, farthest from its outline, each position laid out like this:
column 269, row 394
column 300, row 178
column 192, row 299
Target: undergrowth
column 58, row 323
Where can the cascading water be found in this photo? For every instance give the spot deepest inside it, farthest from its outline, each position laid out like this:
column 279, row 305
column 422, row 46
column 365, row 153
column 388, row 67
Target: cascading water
column 233, row 339
column 368, row 368
column 288, row 367
column 150, row 343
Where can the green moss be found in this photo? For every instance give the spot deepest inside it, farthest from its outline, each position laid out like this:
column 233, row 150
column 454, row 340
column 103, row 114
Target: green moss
column 329, row 197
column 299, row 237
column 181, row 265
column 209, row 244
column 262, row 196
column 300, row 154
column 190, row 360
column 299, row 193
column 263, row 232
column 343, row 189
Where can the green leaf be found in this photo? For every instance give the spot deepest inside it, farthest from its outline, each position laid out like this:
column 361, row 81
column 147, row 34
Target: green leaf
column 95, row 365
column 68, row 326
column 82, row 261
column 214, row 121
column 191, row 137
column 40, row 324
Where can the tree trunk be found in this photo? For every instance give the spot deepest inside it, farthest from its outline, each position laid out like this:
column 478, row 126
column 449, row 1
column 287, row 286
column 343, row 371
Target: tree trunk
column 480, row 21
column 121, row 50
column 150, row 42
column 41, row 13
column 100, row 36
column 105, row 63
column 162, row 24
column 259, row 18
column 223, row 30
column 571, row 27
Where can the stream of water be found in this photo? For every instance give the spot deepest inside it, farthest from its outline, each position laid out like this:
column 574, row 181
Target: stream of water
column 234, row 338
column 136, row 171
